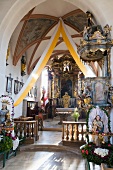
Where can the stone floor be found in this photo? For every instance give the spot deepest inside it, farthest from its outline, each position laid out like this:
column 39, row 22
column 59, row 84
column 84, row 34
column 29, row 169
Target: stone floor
column 47, row 154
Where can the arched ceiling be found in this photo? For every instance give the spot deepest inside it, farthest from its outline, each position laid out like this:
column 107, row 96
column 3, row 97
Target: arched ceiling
column 37, row 26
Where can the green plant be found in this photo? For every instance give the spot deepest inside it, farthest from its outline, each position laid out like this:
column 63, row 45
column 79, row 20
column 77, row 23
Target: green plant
column 75, row 114
column 6, row 143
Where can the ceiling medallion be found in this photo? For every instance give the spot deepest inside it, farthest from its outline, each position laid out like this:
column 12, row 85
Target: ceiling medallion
column 96, row 42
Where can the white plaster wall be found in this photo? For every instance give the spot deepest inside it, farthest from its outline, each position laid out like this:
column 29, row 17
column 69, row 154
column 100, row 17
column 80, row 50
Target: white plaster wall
column 29, row 52
column 15, row 73
column 5, row 6
column 39, row 90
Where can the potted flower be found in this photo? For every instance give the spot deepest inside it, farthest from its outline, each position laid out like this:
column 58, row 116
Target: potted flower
column 75, row 114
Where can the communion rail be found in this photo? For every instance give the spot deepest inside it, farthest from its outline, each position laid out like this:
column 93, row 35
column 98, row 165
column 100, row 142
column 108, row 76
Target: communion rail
column 27, row 130
column 73, row 133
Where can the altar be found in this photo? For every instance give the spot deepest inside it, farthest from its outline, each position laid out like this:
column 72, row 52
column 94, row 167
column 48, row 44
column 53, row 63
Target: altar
column 98, row 148
column 64, row 113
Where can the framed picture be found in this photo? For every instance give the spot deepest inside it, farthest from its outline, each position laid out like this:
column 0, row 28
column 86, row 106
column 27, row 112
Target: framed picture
column 16, row 87
column 21, row 85
column 9, row 85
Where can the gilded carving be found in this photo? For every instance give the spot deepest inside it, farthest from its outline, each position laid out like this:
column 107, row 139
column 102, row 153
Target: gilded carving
column 97, row 35
column 66, row 100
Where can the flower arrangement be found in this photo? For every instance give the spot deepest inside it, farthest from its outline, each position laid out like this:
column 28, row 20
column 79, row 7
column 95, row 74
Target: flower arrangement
column 101, row 152
column 75, row 114
column 98, row 155
column 8, row 141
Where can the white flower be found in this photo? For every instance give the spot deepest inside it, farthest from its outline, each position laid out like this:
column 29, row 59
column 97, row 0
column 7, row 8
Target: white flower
column 1, row 137
column 15, row 143
column 75, row 114
column 101, row 152
column 83, row 146
column 76, row 110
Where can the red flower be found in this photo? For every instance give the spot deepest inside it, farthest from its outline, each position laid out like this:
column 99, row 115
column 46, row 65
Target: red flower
column 86, row 152
column 14, row 138
column 109, row 144
column 83, row 151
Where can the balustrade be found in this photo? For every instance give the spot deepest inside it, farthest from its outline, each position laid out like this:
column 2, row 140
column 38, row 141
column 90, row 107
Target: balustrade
column 73, row 132
column 27, row 130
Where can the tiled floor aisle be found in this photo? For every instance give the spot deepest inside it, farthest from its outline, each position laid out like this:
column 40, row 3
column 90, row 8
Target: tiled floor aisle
column 41, row 160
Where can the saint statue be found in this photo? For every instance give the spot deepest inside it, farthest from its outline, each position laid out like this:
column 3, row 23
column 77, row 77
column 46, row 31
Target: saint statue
column 3, row 113
column 66, row 100
column 98, row 127
column 97, row 124
column 8, row 122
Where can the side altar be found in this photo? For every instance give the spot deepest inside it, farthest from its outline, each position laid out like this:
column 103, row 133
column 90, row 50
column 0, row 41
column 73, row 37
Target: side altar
column 98, row 148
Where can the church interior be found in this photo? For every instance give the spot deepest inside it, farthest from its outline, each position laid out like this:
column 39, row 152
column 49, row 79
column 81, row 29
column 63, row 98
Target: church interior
column 56, row 97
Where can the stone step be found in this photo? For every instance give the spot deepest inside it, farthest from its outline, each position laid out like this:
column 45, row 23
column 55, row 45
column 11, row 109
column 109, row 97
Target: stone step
column 50, row 148
column 52, row 129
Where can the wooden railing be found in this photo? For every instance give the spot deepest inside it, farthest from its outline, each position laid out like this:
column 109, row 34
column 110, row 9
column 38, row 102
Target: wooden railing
column 73, row 132
column 27, row 130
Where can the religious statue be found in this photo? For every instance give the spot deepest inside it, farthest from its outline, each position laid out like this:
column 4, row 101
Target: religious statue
column 98, row 127
column 66, row 100
column 75, row 93
column 107, row 30
column 8, row 122
column 57, row 92
column 89, row 18
column 3, row 113
column 23, row 65
column 97, row 124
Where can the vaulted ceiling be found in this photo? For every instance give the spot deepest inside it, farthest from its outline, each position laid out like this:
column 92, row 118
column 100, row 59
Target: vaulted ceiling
column 34, row 31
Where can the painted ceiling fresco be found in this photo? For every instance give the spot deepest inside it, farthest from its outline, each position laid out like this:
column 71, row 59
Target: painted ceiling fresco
column 36, row 27
column 77, row 20
column 34, row 30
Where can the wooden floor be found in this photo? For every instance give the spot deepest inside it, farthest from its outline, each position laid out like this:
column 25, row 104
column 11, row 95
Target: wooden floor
column 34, row 159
